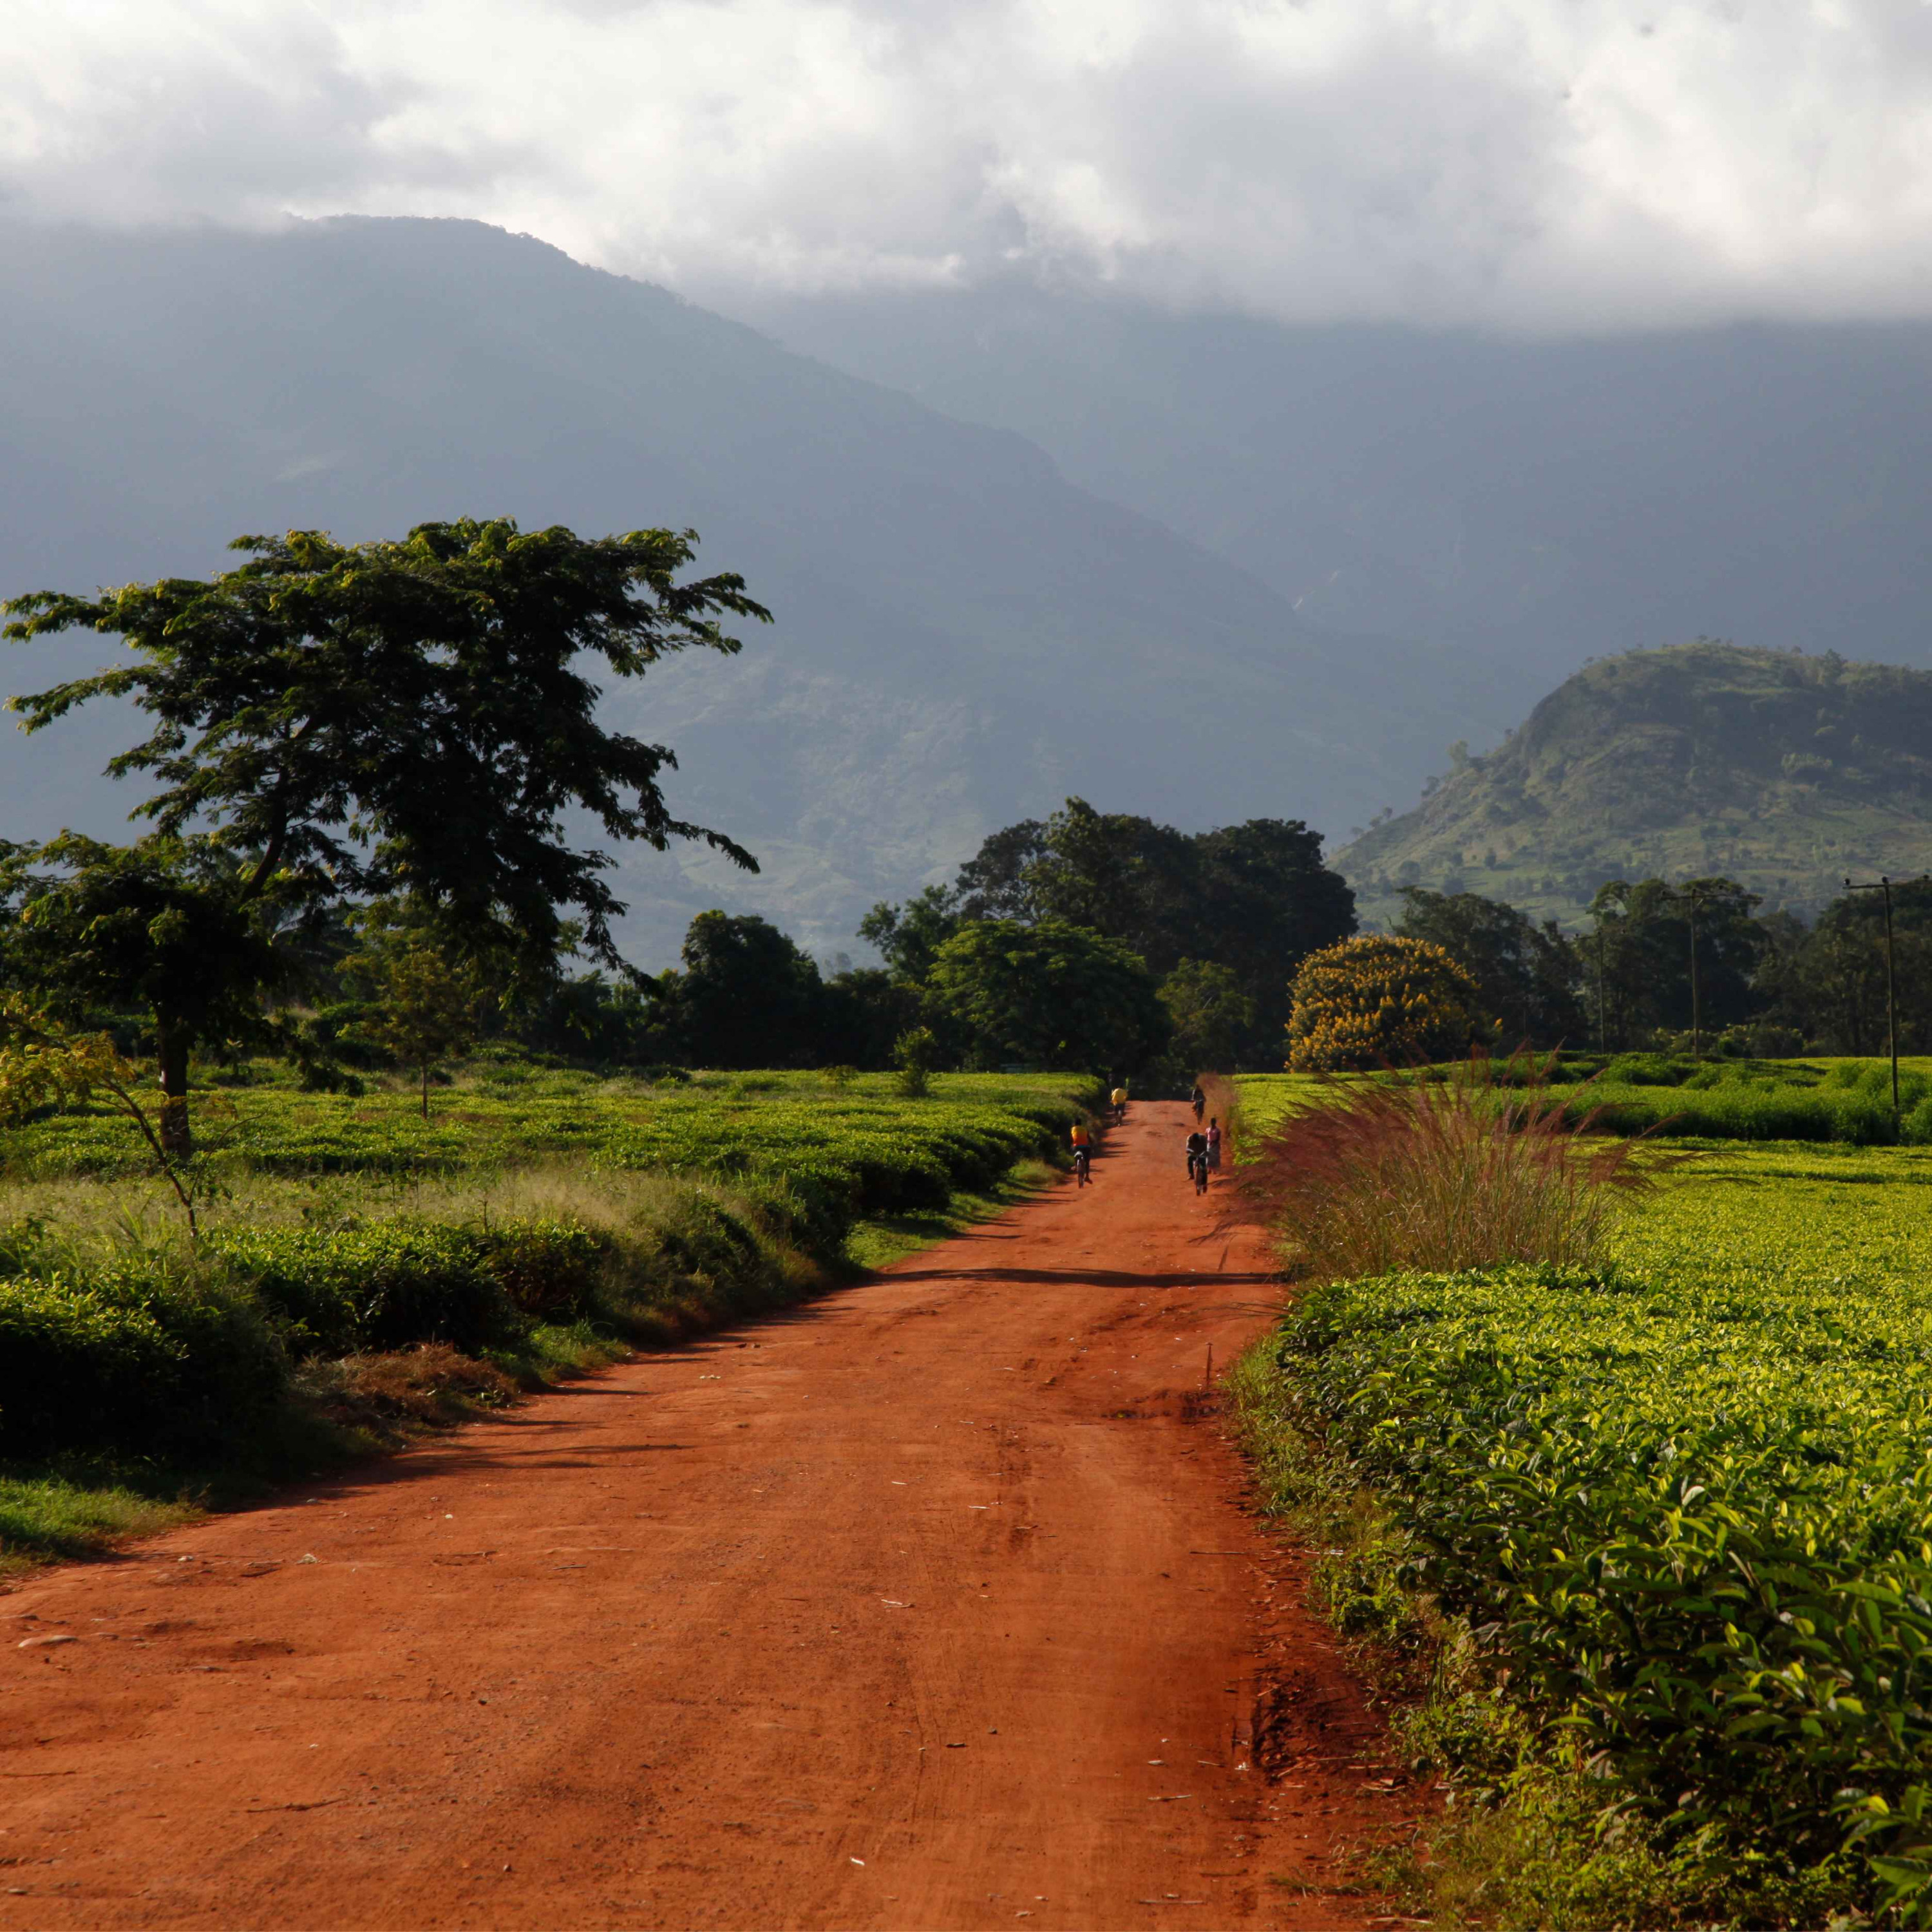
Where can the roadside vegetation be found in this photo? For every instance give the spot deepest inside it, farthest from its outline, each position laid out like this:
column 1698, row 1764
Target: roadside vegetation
column 1625, row 1499
column 356, row 1276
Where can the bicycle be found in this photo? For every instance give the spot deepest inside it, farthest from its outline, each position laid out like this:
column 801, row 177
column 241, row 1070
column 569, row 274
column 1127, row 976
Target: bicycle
column 1197, row 1172
column 1082, row 1160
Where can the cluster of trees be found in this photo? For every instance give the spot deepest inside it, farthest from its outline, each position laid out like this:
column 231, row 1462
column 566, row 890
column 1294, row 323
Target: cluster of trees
column 1762, row 982
column 1219, row 921
column 363, row 759
column 378, row 741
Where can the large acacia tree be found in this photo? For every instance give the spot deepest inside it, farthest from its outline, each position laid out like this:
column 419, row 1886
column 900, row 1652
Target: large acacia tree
column 408, row 719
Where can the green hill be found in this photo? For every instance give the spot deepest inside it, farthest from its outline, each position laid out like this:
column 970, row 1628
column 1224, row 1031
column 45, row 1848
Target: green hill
column 1784, row 772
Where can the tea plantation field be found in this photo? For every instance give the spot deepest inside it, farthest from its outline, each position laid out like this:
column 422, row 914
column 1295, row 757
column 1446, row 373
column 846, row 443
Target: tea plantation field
column 1685, row 1498
column 542, row 1218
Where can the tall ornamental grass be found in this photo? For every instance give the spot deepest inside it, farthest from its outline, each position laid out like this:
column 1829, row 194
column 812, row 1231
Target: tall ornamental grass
column 1409, row 1173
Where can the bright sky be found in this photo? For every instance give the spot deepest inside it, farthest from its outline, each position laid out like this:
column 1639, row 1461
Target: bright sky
column 1537, row 163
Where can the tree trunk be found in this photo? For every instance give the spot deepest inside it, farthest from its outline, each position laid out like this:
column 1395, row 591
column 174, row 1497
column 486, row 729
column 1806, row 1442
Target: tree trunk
column 171, row 1050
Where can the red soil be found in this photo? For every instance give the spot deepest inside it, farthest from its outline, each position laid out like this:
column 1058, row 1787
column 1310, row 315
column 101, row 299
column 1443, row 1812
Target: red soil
column 935, row 1604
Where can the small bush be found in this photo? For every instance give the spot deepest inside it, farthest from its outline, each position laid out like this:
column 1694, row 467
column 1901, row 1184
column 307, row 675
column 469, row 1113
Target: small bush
column 386, row 1285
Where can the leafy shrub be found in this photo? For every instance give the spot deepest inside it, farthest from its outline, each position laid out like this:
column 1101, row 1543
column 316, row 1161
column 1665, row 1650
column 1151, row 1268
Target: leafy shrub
column 133, row 1359
column 1692, row 1515
column 387, row 1284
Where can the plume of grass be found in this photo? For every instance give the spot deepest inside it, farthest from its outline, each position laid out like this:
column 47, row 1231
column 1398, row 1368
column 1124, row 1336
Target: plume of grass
column 1411, row 1172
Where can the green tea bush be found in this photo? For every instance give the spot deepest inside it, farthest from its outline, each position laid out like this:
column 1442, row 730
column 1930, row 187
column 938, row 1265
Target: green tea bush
column 133, row 1359
column 1690, row 1513
column 387, row 1284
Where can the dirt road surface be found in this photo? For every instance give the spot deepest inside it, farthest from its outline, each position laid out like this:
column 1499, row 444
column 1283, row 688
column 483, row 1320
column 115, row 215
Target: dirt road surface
column 933, row 1604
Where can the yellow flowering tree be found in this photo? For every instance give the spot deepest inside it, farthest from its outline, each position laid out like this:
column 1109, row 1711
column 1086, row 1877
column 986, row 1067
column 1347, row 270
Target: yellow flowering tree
column 1380, row 1001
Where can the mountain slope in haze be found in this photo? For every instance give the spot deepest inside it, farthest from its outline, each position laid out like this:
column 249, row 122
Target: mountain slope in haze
column 962, row 638
column 1784, row 772
column 1527, row 504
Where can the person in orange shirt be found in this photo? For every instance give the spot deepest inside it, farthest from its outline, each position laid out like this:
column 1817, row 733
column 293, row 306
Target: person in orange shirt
column 1083, row 1151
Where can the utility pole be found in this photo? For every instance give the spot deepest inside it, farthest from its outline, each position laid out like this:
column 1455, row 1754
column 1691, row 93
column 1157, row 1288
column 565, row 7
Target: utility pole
column 1883, row 886
column 1601, row 1047
column 1690, row 896
column 1697, row 1047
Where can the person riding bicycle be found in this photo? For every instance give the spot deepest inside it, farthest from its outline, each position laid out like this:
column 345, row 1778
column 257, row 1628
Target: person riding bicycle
column 1119, row 1098
column 1197, row 1160
column 1200, row 1104
column 1083, row 1152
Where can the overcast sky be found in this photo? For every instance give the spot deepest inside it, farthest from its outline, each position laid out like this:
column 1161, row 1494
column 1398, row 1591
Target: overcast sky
column 1527, row 163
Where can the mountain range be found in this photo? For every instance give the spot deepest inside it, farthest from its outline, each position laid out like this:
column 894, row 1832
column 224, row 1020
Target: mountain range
column 1019, row 544
column 963, row 637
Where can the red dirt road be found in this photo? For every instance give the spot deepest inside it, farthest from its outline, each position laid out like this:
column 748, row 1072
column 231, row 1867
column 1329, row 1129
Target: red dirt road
column 933, row 1604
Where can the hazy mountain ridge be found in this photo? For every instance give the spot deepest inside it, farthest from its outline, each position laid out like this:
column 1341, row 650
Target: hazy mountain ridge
column 1520, row 504
column 1782, row 771
column 963, row 637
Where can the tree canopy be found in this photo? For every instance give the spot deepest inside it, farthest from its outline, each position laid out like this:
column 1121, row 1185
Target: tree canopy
column 1527, row 976
column 327, row 722
column 1050, row 994
column 1381, row 1001
column 408, row 717
column 1255, row 899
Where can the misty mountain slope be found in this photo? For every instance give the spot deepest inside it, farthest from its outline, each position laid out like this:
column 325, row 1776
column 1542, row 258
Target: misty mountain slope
column 962, row 637
column 1787, row 772
column 1524, row 502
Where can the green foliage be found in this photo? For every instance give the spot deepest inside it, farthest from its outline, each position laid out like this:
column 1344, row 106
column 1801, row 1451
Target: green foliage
column 917, row 1052
column 1253, row 899
column 387, row 717
column 428, row 1007
column 1049, row 995
column 387, row 1284
column 135, row 1357
column 1637, row 961
column 747, row 996
column 1211, row 1016
column 1684, row 1497
column 1527, row 976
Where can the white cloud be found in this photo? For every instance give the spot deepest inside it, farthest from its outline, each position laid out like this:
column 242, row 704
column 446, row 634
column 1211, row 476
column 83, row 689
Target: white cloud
column 1527, row 163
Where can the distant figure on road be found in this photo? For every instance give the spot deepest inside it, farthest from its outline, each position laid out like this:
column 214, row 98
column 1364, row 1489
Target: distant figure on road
column 1119, row 1098
column 1200, row 1106
column 1197, row 1160
column 1213, row 1145
column 1083, row 1152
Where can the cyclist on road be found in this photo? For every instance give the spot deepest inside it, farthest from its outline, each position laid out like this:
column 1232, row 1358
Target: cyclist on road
column 1213, row 1145
column 1200, row 1101
column 1197, row 1160
column 1119, row 1098
column 1083, row 1152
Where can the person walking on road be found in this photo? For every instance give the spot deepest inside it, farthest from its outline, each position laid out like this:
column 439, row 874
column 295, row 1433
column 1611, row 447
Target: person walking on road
column 1213, row 1144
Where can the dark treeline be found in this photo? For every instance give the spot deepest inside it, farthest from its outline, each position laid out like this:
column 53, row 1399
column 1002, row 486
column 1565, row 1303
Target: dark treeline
column 1766, row 984
column 1086, row 938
